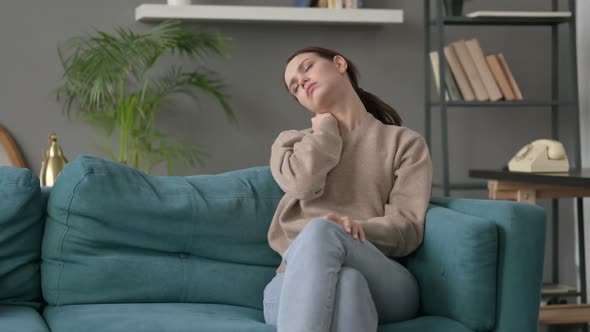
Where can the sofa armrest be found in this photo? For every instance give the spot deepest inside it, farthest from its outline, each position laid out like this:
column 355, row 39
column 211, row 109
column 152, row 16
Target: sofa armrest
column 456, row 268
column 521, row 248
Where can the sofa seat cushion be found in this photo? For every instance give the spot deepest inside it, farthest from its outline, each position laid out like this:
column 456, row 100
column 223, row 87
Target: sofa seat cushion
column 155, row 317
column 21, row 319
column 425, row 324
column 194, row 317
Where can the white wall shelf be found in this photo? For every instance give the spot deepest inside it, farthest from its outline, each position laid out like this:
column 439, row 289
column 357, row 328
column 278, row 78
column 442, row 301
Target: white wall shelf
column 156, row 12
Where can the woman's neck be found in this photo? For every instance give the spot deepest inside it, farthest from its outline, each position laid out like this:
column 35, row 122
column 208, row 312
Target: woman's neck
column 349, row 112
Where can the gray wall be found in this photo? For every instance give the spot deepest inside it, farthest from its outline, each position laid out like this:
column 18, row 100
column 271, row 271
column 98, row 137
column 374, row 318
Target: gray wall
column 390, row 60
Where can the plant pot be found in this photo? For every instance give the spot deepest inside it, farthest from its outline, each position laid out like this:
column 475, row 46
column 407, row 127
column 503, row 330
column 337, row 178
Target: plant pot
column 179, row 2
column 453, row 7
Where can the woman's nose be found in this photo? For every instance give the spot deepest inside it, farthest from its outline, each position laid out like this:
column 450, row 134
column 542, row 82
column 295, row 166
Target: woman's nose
column 304, row 82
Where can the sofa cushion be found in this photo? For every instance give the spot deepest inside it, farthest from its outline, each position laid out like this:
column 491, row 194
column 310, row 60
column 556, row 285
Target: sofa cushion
column 21, row 225
column 425, row 324
column 192, row 317
column 155, row 317
column 117, row 235
column 456, row 268
column 21, row 319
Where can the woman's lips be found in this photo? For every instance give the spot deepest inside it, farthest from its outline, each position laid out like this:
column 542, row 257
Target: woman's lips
column 310, row 88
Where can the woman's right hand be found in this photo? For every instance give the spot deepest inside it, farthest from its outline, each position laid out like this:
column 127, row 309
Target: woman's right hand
column 352, row 227
column 316, row 121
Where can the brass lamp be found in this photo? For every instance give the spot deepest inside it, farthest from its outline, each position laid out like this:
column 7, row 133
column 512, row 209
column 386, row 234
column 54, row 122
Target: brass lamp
column 54, row 161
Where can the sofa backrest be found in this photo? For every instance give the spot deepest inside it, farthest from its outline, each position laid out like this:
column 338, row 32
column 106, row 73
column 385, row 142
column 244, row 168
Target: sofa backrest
column 21, row 229
column 116, row 235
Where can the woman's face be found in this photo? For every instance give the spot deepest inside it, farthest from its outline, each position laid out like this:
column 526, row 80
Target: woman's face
column 316, row 82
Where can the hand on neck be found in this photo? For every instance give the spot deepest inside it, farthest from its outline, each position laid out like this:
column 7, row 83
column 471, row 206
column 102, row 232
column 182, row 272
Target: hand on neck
column 349, row 113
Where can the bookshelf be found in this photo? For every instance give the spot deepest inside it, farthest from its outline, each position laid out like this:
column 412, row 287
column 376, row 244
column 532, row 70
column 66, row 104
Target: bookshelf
column 554, row 103
column 505, row 21
column 504, row 103
column 554, row 313
column 439, row 24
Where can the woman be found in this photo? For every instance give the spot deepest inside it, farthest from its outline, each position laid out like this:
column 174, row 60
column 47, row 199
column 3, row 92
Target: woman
column 357, row 187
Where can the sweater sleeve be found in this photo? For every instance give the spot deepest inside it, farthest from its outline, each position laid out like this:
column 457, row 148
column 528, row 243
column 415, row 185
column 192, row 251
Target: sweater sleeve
column 401, row 230
column 300, row 162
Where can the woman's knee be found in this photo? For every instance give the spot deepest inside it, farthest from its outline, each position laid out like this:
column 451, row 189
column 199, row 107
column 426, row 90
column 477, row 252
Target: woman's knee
column 318, row 238
column 319, row 227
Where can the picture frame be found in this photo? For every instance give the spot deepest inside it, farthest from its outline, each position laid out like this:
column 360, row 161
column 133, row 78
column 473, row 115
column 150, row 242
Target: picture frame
column 10, row 155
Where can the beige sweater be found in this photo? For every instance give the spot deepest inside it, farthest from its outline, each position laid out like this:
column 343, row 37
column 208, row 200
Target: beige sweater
column 379, row 175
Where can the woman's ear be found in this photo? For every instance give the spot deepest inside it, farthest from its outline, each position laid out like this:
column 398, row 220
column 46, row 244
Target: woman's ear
column 340, row 63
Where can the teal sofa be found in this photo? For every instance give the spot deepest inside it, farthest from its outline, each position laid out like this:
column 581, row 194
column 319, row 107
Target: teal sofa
column 111, row 249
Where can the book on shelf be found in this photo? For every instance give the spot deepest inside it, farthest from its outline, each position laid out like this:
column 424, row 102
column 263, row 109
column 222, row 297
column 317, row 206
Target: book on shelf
column 511, row 80
column 452, row 85
column 319, row 3
column 434, row 62
column 303, row 3
column 351, row 4
column 332, row 4
column 500, row 77
column 518, row 14
column 451, row 91
column 551, row 288
column 459, row 74
column 483, row 69
column 472, row 75
column 335, row 4
column 471, row 72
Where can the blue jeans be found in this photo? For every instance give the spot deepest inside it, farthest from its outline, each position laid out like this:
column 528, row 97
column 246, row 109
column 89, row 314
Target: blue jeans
column 336, row 283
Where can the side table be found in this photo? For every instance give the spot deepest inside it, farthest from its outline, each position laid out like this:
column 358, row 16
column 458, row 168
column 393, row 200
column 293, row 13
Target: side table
column 528, row 187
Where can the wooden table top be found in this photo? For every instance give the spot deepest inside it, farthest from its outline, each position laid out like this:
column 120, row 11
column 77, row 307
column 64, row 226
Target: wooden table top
column 573, row 178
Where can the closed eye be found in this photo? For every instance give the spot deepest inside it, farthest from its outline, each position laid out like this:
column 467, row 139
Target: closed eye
column 297, row 85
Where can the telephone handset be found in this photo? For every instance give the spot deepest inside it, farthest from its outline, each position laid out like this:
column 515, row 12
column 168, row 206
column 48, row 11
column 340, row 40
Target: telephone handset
column 543, row 155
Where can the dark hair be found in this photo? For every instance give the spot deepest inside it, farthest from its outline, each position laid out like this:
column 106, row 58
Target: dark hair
column 380, row 110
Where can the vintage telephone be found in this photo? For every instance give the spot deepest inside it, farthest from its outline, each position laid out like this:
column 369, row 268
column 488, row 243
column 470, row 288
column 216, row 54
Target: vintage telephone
column 541, row 156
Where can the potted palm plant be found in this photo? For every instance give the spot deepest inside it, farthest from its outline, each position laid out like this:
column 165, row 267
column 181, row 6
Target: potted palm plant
column 110, row 80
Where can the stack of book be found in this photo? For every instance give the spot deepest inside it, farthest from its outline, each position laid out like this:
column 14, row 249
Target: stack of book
column 334, row 4
column 470, row 75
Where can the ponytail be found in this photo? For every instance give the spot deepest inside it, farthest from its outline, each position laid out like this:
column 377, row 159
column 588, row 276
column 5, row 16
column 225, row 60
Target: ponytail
column 380, row 110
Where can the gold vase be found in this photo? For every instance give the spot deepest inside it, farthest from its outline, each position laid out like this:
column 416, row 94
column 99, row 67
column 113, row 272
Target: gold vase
column 53, row 163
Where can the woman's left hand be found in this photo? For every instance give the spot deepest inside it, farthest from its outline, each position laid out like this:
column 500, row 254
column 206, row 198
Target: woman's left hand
column 350, row 226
